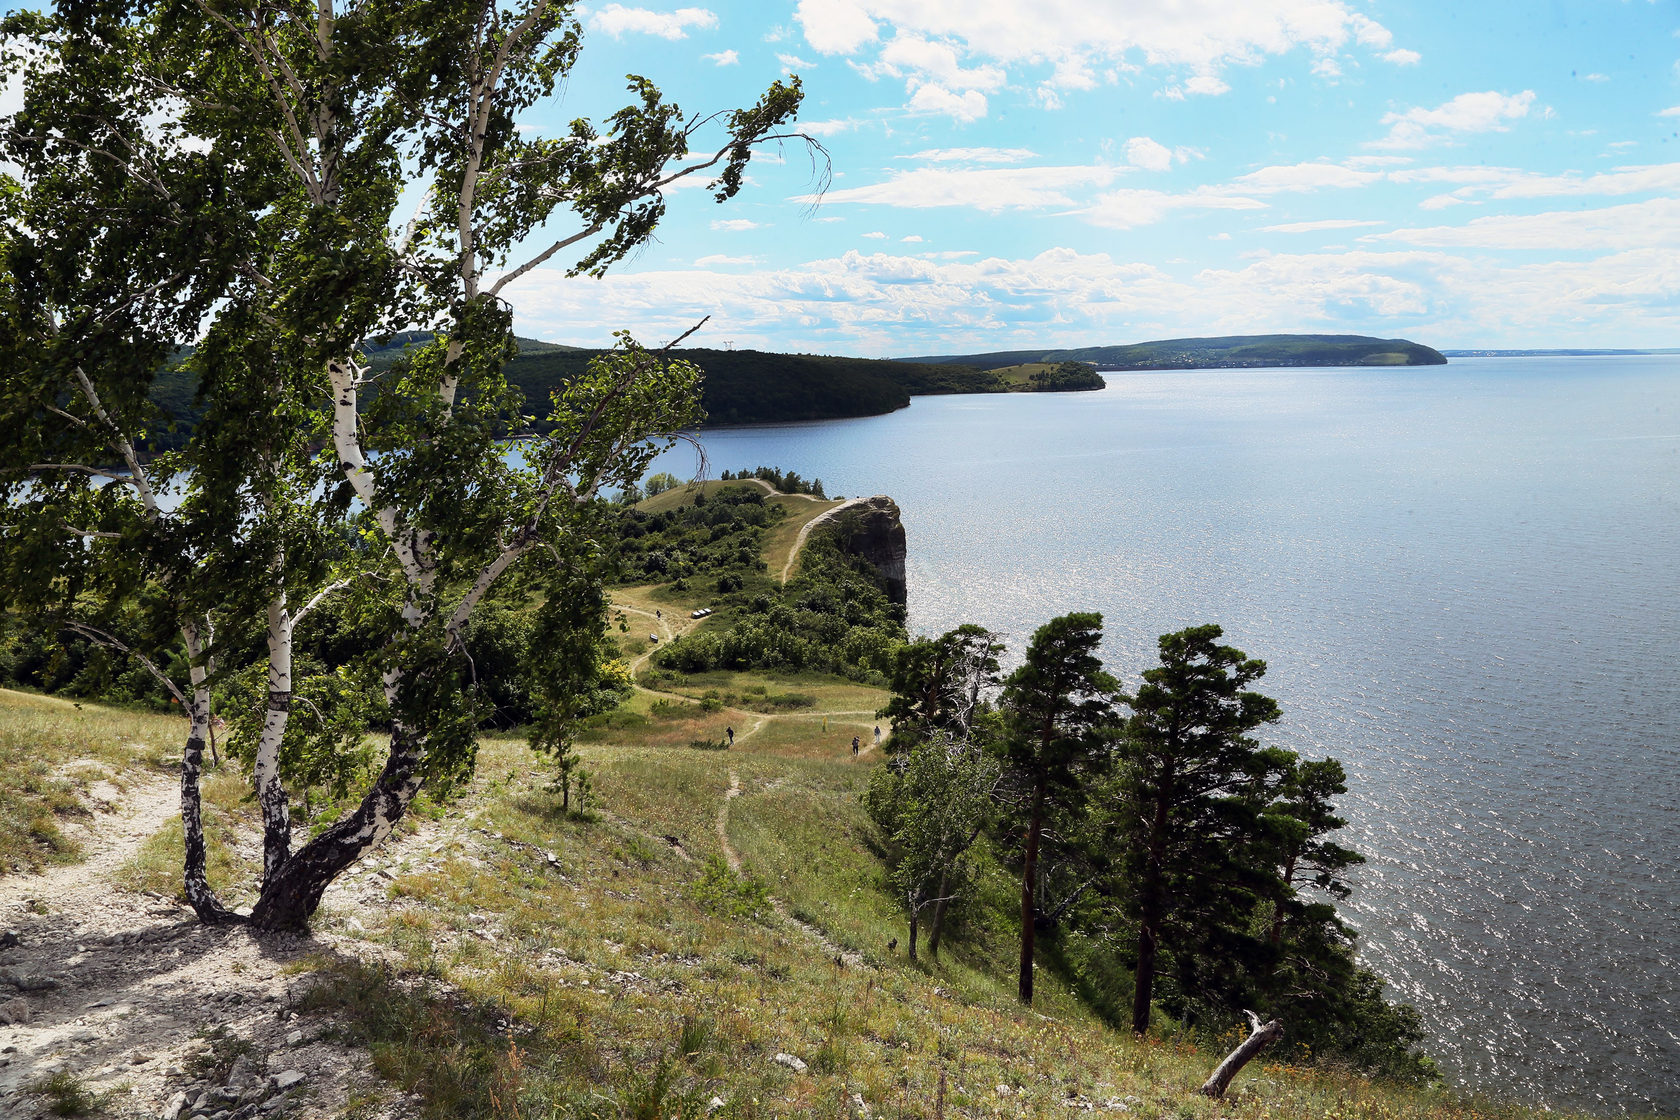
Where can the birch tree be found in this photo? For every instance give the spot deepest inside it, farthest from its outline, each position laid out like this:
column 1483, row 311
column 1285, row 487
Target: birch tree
column 930, row 810
column 318, row 118
column 116, row 237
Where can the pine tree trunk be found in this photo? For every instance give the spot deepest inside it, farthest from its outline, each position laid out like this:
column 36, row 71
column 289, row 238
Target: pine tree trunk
column 1149, row 919
column 1143, row 991
column 1029, row 884
column 291, row 895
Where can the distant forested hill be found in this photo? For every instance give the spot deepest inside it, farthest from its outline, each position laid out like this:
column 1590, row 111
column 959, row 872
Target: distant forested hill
column 741, row 386
column 752, row 387
column 1229, row 351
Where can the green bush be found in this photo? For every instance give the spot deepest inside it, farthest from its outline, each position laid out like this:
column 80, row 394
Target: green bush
column 729, row 894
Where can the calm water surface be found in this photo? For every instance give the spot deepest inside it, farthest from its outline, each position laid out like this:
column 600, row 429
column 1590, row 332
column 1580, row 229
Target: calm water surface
column 1463, row 579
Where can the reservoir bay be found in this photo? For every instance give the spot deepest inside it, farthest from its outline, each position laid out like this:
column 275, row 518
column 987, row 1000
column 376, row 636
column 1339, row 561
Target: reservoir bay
column 1463, row 579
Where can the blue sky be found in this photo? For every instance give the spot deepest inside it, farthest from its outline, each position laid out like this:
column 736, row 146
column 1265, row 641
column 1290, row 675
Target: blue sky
column 1046, row 173
column 1069, row 172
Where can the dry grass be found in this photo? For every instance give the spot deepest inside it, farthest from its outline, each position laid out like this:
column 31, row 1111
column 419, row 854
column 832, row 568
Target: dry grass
column 51, row 753
column 780, row 538
column 607, row 989
column 614, row 986
column 231, row 866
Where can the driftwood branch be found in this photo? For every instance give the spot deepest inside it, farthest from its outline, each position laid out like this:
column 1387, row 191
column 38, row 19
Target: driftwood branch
column 1260, row 1036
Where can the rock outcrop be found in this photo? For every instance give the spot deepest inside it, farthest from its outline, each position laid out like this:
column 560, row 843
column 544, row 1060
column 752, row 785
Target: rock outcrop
column 871, row 529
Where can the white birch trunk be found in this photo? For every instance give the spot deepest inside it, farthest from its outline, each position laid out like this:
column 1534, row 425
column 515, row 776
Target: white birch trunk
column 271, row 792
column 196, row 886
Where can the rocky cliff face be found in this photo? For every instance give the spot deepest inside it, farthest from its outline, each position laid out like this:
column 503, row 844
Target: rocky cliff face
column 871, row 529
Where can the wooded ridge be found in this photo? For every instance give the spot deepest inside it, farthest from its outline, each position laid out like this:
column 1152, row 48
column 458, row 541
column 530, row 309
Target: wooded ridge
column 1227, row 351
column 741, row 386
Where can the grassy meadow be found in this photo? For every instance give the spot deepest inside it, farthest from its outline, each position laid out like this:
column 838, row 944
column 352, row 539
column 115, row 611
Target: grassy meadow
column 636, row 977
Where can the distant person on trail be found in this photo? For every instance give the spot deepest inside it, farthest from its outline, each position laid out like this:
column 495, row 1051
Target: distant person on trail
column 877, row 734
column 854, row 746
column 730, row 731
column 659, row 614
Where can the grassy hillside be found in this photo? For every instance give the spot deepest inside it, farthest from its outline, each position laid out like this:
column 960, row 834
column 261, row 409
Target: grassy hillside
column 517, row 960
column 710, row 932
column 1215, row 353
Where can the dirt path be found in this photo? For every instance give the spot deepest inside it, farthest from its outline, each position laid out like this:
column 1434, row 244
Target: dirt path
column 128, row 993
column 110, row 840
column 733, row 859
column 667, row 633
column 805, row 532
column 775, row 493
column 756, row 721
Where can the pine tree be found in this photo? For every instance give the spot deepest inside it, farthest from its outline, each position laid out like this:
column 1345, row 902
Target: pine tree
column 1059, row 706
column 1193, row 789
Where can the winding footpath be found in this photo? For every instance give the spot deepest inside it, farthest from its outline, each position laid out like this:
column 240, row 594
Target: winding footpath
column 805, row 532
column 733, row 859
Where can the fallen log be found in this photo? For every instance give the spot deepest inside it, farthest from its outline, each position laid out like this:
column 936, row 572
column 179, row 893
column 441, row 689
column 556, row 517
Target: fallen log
column 1260, row 1036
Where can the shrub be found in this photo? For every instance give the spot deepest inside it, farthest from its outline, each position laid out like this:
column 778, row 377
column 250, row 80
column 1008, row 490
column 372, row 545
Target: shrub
column 729, row 894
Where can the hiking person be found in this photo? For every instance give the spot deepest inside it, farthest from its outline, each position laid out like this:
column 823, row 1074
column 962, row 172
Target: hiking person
column 730, row 731
column 854, row 746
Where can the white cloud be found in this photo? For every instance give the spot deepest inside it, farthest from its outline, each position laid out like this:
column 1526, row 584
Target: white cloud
column 1304, row 177
column 991, row 189
column 875, row 235
column 716, row 259
column 11, row 94
column 723, row 58
column 617, row 20
column 1403, row 57
column 1314, row 227
column 913, row 239
column 969, row 106
column 934, row 77
column 1327, row 68
column 1084, row 45
column 1129, row 209
column 972, row 155
column 927, row 61
column 1468, row 112
column 880, row 303
column 1671, row 111
column 829, row 128
column 1206, row 85
column 835, row 26
column 735, row 225
column 1635, row 225
column 1595, row 77
column 1200, row 35
column 794, row 62
column 1148, row 154
column 1363, row 162
column 1514, row 183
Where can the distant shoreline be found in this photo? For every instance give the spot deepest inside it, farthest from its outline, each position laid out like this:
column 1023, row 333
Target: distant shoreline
column 1561, row 353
